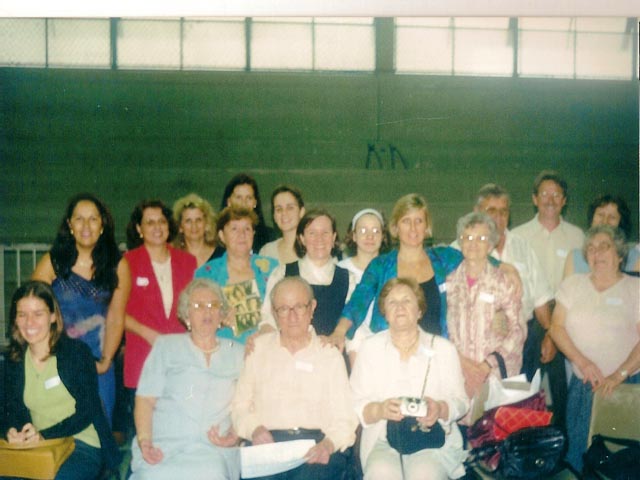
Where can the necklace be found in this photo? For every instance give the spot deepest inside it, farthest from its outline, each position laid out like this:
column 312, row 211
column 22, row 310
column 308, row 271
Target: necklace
column 408, row 348
column 209, row 350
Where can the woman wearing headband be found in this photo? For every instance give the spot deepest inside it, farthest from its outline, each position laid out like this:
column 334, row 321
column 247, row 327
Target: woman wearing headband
column 366, row 237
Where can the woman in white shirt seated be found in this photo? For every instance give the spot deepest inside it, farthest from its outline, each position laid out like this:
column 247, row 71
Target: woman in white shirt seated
column 394, row 363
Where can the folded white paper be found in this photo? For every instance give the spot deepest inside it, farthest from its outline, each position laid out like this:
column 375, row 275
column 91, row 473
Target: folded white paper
column 272, row 458
column 511, row 390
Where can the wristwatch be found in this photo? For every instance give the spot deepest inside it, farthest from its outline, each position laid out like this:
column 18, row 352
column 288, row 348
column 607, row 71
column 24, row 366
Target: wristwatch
column 624, row 374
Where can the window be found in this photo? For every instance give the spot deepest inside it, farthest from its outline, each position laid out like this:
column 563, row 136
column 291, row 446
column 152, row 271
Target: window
column 454, row 46
column 304, row 43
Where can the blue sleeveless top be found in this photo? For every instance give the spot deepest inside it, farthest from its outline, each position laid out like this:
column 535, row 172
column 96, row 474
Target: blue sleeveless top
column 84, row 309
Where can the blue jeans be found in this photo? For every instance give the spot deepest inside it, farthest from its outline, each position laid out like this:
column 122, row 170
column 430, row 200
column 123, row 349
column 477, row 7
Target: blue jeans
column 85, row 463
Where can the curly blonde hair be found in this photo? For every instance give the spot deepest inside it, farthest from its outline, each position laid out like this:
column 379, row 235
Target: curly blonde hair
column 195, row 201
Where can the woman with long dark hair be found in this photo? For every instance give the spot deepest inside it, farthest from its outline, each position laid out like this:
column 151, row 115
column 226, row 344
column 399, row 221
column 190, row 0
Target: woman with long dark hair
column 242, row 191
column 91, row 282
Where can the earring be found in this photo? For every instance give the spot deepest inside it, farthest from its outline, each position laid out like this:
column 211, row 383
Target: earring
column 189, row 326
column 71, row 230
column 141, row 236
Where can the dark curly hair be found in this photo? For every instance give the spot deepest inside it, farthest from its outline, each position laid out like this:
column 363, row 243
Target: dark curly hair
column 623, row 210
column 105, row 254
column 133, row 236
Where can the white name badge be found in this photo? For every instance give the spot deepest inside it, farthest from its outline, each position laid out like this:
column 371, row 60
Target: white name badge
column 304, row 366
column 442, row 287
column 487, row 297
column 615, row 301
column 142, row 281
column 52, row 382
column 561, row 252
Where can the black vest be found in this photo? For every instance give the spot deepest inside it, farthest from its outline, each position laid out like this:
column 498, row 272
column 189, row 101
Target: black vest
column 331, row 298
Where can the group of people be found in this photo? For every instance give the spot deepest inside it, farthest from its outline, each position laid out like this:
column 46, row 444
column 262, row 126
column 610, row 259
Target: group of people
column 224, row 346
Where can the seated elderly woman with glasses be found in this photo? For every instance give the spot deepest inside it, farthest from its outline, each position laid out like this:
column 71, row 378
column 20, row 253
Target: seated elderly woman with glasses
column 295, row 387
column 483, row 307
column 184, row 394
column 405, row 361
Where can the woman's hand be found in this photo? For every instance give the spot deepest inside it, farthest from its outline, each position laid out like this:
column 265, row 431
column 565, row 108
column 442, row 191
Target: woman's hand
column 335, row 339
column 436, row 410
column 591, row 373
column 390, row 409
column 548, row 349
column 229, row 439
column 151, row 454
column 28, row 434
column 103, row 365
column 320, row 452
column 261, row 436
column 610, row 383
column 14, row 436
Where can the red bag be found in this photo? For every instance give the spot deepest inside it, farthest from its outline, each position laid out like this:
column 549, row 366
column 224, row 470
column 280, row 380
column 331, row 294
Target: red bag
column 511, row 419
column 482, row 432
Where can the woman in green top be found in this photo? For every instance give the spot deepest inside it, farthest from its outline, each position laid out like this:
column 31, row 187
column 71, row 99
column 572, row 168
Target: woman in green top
column 52, row 386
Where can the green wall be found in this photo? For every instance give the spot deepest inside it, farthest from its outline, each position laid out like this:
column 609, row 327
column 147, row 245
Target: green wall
column 126, row 135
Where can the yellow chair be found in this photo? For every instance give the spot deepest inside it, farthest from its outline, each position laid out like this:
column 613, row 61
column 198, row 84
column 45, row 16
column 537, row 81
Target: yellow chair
column 617, row 415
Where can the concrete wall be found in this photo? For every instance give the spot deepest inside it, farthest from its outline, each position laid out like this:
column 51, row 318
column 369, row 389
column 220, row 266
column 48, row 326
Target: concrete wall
column 128, row 135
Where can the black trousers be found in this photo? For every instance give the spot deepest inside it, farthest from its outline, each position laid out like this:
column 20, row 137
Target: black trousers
column 554, row 369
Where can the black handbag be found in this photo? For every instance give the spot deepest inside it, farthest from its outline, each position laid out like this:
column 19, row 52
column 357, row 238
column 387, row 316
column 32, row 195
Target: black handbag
column 532, row 452
column 529, row 453
column 600, row 462
column 407, row 436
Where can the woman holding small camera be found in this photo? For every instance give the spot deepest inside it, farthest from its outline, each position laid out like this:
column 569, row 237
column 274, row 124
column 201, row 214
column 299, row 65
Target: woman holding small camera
column 405, row 361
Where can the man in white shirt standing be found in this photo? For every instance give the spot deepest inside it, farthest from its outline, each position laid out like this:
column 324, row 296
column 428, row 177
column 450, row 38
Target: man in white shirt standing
column 549, row 235
column 494, row 200
column 552, row 239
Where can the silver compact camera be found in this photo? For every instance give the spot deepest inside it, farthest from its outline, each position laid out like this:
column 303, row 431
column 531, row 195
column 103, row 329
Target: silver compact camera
column 413, row 407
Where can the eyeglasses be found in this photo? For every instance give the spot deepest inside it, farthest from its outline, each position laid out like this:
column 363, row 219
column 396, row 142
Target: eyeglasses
column 600, row 248
column 299, row 308
column 471, row 238
column 502, row 212
column 554, row 195
column 365, row 231
column 210, row 306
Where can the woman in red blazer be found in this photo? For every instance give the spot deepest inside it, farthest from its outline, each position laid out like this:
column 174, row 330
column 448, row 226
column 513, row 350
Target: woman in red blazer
column 158, row 275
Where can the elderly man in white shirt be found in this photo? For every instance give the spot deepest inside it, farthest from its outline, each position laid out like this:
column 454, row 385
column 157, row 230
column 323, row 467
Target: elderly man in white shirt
column 293, row 386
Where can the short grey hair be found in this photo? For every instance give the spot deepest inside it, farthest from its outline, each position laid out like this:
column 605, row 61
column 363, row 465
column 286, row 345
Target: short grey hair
column 615, row 234
column 478, row 218
column 196, row 283
column 294, row 279
column 492, row 190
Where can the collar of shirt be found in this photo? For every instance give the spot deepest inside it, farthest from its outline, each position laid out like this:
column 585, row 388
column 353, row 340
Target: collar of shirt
column 317, row 275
